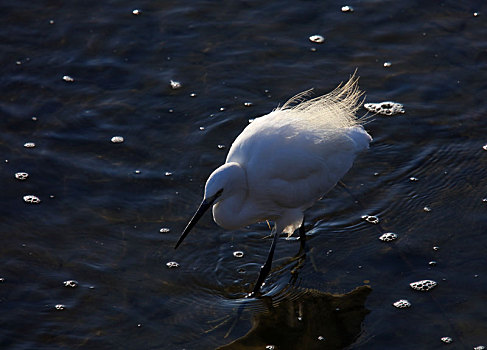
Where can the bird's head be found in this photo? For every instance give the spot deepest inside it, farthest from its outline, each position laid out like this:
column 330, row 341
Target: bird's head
column 222, row 183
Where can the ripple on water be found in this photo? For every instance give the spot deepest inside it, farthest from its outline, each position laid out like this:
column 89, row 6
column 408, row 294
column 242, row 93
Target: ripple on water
column 145, row 86
column 21, row 176
column 238, row 254
column 175, row 84
column 388, row 237
column 319, row 39
column 117, row 139
column 423, row 286
column 402, row 304
column 372, row 219
column 31, row 199
column 314, row 314
column 388, row 108
column 447, row 340
column 172, row 264
column 70, row 283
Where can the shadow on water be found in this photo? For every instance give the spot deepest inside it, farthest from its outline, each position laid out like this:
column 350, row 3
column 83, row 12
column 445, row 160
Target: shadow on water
column 315, row 320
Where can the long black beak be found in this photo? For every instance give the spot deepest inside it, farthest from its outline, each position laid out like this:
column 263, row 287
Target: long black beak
column 204, row 206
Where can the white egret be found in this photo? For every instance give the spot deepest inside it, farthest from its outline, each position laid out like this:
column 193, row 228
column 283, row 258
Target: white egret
column 285, row 161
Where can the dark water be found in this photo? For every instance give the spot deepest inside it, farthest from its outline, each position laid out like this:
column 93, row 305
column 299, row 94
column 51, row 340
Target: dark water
column 103, row 204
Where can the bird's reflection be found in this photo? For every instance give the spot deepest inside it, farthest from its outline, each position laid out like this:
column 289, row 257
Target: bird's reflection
column 313, row 320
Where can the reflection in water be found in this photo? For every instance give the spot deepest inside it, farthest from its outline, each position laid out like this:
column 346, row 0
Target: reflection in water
column 315, row 320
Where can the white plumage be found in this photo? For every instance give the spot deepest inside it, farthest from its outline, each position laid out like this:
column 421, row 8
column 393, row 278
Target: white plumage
column 285, row 161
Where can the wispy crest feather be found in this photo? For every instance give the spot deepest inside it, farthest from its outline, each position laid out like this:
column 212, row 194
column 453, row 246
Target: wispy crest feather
column 334, row 110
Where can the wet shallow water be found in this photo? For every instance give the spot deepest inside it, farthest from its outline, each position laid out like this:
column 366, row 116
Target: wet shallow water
column 103, row 203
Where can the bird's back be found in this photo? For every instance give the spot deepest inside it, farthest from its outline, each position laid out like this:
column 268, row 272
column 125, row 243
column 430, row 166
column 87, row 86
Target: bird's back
column 317, row 120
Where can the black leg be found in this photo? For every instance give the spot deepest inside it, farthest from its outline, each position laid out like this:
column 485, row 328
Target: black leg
column 302, row 243
column 302, row 237
column 301, row 256
column 266, row 268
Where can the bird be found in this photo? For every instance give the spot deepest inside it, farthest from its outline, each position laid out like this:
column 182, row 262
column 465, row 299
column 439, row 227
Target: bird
column 282, row 163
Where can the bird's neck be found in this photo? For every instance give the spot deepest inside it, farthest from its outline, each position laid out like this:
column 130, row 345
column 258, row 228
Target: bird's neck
column 229, row 213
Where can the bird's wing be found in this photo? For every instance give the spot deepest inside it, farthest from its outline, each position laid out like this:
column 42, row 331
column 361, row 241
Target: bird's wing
column 293, row 170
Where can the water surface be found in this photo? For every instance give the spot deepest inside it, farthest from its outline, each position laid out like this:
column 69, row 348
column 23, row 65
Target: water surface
column 103, row 204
